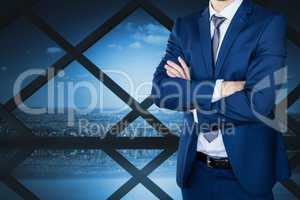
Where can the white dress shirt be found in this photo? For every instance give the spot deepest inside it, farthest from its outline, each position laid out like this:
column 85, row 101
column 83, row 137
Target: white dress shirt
column 216, row 148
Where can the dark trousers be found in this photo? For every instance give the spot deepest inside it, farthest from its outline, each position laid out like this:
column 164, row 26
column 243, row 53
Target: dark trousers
column 216, row 184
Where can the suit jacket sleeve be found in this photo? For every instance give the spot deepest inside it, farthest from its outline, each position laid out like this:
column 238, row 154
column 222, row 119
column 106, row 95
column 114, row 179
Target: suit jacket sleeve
column 259, row 93
column 176, row 93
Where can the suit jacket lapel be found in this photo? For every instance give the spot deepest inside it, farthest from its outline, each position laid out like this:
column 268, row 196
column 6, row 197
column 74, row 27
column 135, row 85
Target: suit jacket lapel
column 205, row 40
column 238, row 23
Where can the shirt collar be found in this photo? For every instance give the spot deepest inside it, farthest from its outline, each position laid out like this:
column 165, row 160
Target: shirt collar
column 228, row 12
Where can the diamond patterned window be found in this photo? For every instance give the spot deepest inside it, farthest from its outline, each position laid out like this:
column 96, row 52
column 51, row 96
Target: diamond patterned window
column 142, row 160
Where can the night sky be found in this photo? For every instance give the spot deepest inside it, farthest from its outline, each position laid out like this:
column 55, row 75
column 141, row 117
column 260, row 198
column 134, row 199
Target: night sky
column 135, row 47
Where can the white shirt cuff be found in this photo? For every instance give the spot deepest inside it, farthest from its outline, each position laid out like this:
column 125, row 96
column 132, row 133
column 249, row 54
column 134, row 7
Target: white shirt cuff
column 217, row 95
column 195, row 115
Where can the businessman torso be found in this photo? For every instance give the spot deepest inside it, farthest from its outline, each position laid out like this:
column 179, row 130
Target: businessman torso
column 252, row 49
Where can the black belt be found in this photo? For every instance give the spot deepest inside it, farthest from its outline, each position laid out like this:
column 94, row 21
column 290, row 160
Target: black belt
column 211, row 162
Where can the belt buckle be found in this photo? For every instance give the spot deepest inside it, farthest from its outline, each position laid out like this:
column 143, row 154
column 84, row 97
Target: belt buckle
column 208, row 162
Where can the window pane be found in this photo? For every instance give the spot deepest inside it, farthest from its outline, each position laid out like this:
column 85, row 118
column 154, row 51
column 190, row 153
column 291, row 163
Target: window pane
column 75, row 20
column 74, row 103
column 281, row 193
column 165, row 177
column 290, row 9
column 140, row 192
column 71, row 174
column 296, row 175
column 7, row 193
column 140, row 157
column 7, row 130
column 293, row 64
column 177, row 8
column 294, row 110
column 171, row 119
column 131, row 52
column 24, row 47
column 139, row 128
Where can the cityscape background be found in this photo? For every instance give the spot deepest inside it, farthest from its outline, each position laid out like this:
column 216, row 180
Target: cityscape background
column 129, row 54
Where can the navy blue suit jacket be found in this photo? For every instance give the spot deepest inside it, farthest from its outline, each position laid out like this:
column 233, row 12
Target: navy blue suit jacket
column 254, row 47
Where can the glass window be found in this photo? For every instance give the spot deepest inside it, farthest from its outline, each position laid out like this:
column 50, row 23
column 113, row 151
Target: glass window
column 74, row 103
column 71, row 174
column 178, row 8
column 130, row 53
column 140, row 157
column 139, row 128
column 165, row 177
column 24, row 48
column 281, row 192
column 75, row 20
column 140, row 192
column 173, row 120
column 7, row 193
column 289, row 9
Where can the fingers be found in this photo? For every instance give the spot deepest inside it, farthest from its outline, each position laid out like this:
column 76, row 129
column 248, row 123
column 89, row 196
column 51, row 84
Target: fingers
column 243, row 83
column 239, row 85
column 172, row 72
column 177, row 68
column 186, row 69
column 231, row 87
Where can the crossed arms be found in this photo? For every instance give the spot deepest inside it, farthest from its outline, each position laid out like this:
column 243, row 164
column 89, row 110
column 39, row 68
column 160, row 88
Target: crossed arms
column 174, row 89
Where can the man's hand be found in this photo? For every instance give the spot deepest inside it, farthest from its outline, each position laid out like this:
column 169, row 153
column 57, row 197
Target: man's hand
column 175, row 70
column 230, row 87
